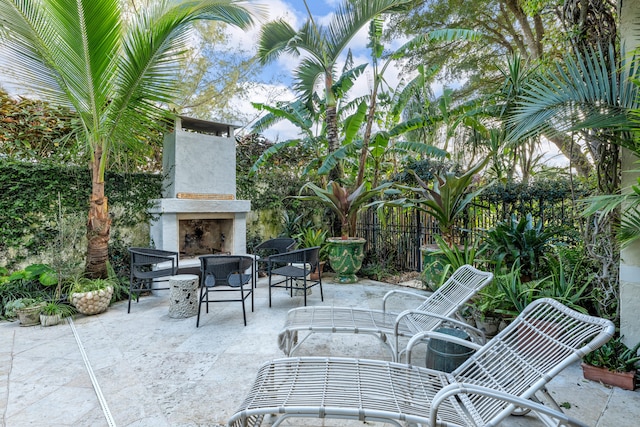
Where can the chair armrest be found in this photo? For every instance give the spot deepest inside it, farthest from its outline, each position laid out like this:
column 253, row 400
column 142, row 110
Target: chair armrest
column 475, row 332
column 463, row 325
column 464, row 388
column 418, row 338
column 298, row 256
column 395, row 292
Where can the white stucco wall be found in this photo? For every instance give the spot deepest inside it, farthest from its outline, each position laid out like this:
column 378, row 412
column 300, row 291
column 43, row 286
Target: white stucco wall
column 199, row 163
column 630, row 257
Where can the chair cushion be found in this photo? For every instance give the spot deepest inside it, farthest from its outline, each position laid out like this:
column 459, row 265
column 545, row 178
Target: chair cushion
column 236, row 279
column 291, row 271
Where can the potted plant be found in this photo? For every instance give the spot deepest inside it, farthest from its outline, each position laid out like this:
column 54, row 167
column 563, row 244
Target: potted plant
column 518, row 241
column 345, row 252
column 447, row 260
column 614, row 364
column 311, row 237
column 445, row 200
column 26, row 309
column 53, row 312
column 91, row 296
column 486, row 307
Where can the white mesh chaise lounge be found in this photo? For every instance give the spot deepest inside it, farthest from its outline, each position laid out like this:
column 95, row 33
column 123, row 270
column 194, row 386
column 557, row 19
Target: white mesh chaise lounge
column 499, row 377
column 388, row 326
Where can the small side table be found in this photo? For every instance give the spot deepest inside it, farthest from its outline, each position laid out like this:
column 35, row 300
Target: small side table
column 183, row 296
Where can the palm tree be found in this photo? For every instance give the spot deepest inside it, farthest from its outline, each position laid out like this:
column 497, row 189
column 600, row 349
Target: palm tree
column 115, row 70
column 323, row 46
column 593, row 95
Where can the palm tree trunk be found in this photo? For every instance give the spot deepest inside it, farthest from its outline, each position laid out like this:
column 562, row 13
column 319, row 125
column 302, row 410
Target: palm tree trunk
column 364, row 151
column 574, row 153
column 98, row 224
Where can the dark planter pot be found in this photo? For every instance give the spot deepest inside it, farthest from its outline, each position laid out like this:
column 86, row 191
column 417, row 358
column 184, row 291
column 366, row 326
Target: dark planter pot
column 345, row 257
column 488, row 324
column 624, row 380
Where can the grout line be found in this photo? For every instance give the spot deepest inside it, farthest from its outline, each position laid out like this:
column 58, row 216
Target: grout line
column 94, row 380
column 604, row 409
column 6, row 403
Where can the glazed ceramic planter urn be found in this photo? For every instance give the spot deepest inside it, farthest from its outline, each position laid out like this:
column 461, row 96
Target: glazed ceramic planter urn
column 345, row 257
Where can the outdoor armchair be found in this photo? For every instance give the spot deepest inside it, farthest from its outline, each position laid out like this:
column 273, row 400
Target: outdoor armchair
column 502, row 376
column 147, row 265
column 389, row 327
column 294, row 268
column 269, row 247
column 226, row 277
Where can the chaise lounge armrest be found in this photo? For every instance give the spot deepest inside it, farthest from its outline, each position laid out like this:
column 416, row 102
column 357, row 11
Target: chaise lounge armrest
column 401, row 292
column 477, row 335
column 549, row 416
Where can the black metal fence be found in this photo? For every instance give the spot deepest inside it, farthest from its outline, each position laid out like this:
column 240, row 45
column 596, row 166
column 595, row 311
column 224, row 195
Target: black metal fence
column 395, row 236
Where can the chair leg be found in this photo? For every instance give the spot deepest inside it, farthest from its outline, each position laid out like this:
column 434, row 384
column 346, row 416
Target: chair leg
column 244, row 312
column 304, row 289
column 269, row 288
column 252, row 292
column 200, row 305
column 131, row 286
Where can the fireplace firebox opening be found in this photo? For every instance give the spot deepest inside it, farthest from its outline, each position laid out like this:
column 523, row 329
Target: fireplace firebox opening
column 205, row 236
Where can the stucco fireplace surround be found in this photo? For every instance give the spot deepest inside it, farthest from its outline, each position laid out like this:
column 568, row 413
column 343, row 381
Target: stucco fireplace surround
column 199, row 213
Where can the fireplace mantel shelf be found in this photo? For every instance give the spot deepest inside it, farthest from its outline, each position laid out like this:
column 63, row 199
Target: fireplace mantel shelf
column 175, row 205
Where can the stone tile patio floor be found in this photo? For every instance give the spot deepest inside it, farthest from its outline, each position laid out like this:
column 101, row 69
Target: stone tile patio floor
column 153, row 370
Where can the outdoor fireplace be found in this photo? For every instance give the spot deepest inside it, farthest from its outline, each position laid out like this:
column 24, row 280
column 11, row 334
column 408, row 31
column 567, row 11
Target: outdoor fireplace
column 199, row 213
column 204, row 236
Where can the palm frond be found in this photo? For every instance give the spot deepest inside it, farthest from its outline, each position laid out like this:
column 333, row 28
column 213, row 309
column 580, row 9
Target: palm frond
column 149, row 62
column 579, row 92
column 307, row 75
column 347, row 80
column 295, row 112
column 276, row 38
column 351, row 16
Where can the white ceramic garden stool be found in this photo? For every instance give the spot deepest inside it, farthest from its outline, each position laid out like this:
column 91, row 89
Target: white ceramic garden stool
column 183, row 296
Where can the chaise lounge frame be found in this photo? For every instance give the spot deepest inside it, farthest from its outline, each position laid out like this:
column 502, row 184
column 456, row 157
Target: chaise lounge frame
column 434, row 310
column 501, row 376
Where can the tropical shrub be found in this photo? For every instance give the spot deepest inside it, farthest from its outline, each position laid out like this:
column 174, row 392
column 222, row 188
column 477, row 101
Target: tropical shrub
column 518, row 242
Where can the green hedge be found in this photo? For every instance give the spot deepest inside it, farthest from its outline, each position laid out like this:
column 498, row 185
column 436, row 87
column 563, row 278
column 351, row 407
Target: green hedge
column 30, row 193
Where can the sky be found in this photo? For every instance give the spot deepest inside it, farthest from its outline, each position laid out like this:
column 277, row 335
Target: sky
column 276, row 77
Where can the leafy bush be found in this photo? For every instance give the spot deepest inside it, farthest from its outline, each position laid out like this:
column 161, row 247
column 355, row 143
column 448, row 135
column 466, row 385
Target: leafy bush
column 34, row 282
column 614, row 356
column 518, row 242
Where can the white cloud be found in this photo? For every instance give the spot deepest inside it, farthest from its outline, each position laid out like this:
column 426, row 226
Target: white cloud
column 266, row 94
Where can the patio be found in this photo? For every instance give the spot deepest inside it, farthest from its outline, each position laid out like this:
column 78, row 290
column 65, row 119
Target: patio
column 153, row 370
